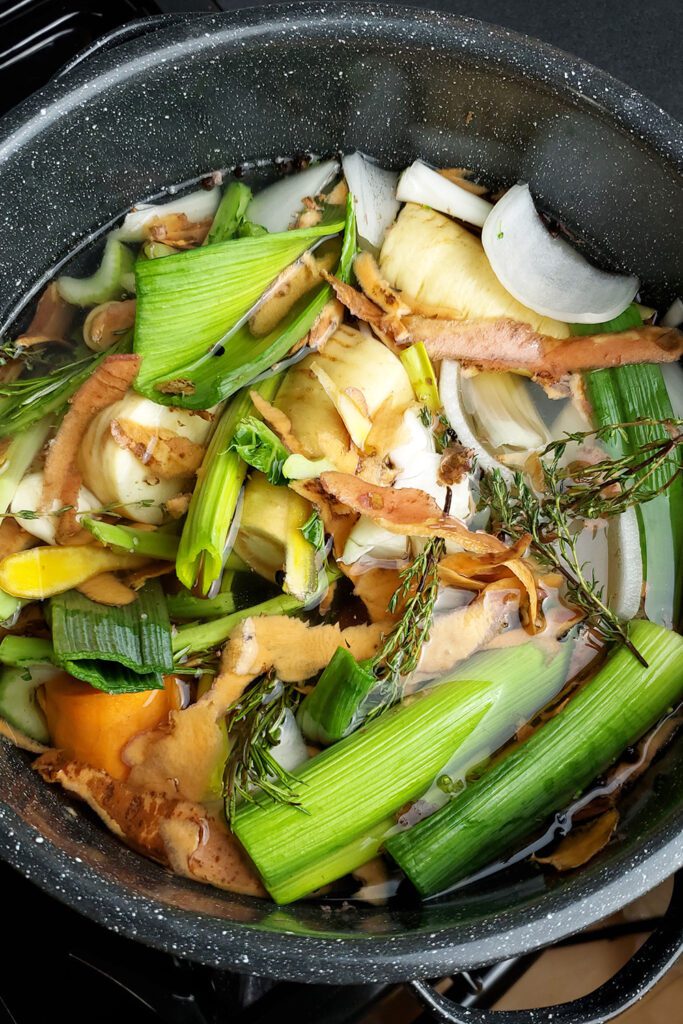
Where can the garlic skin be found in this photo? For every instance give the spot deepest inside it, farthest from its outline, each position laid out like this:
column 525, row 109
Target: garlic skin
column 117, row 476
column 28, row 497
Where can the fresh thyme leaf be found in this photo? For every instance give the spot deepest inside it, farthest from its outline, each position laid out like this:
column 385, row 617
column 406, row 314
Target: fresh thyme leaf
column 254, row 723
column 105, row 510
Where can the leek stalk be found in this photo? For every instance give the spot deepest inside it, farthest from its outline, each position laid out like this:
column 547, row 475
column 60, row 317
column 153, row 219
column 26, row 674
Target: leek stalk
column 153, row 543
column 189, row 304
column 201, row 552
column 118, row 650
column 375, row 771
column 330, row 711
column 623, row 395
column 540, row 776
column 205, row 636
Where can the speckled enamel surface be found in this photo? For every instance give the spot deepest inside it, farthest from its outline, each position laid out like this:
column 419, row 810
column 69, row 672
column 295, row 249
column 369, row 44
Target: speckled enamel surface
column 211, row 92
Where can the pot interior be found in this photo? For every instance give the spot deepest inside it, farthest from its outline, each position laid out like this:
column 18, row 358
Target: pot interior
column 396, row 83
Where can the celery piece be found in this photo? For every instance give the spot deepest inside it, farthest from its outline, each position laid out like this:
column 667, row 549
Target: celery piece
column 419, row 368
column 230, row 213
column 153, row 543
column 248, row 229
column 207, row 635
column 330, row 711
column 201, row 552
column 9, row 606
column 188, row 303
column 238, row 590
column 19, row 702
column 18, row 456
column 623, row 395
column 110, row 280
column 540, row 776
column 25, row 650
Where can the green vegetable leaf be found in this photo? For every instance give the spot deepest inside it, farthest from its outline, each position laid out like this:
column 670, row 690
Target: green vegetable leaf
column 314, row 531
column 260, row 447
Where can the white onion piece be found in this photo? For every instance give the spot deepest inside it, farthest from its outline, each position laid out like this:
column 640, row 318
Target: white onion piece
column 290, row 750
column 625, row 565
column 547, row 274
column 500, row 404
column 528, row 434
column 196, row 206
column 673, row 379
column 276, row 206
column 28, row 497
column 674, row 314
column 374, row 191
column 420, row 184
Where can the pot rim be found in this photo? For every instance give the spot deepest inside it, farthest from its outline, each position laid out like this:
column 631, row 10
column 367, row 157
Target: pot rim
column 343, row 958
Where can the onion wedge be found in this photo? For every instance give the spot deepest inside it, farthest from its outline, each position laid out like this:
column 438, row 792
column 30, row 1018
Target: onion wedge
column 374, row 192
column 277, row 205
column 420, row 184
column 547, row 273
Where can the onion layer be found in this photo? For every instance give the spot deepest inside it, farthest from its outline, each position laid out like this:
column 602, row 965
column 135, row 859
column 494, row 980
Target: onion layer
column 276, row 206
column 374, row 192
column 197, row 206
column 420, row 184
column 546, row 273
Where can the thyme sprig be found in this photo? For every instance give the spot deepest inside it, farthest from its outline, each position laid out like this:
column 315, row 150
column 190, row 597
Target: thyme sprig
column 105, row 510
column 401, row 648
column 254, row 722
column 578, row 492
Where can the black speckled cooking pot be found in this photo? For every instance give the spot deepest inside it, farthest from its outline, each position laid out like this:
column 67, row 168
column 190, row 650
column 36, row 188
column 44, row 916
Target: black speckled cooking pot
column 173, row 99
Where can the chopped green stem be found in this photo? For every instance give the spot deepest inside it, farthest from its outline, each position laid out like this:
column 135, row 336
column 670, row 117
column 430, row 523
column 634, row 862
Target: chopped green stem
column 230, row 212
column 153, row 543
column 518, row 793
column 419, row 368
column 207, row 635
column 25, row 650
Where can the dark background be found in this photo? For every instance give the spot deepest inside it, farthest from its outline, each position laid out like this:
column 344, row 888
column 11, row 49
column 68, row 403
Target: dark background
column 638, row 42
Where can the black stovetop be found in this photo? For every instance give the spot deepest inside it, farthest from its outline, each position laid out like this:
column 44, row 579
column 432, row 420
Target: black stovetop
column 58, row 965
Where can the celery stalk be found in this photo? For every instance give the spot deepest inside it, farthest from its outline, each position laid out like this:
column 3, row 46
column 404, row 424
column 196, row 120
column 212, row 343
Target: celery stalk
column 25, row 650
column 201, row 552
column 540, row 776
column 623, row 395
column 111, row 280
column 230, row 212
column 207, row 635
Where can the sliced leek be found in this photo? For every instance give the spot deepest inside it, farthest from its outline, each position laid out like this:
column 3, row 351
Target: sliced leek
column 619, row 704
column 118, row 650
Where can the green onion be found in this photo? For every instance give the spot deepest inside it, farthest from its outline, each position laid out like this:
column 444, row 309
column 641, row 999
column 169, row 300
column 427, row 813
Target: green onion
column 330, row 711
column 188, row 302
column 356, row 784
column 118, row 650
column 419, row 368
column 201, row 552
column 19, row 455
column 537, row 778
column 153, row 543
column 230, row 213
column 25, row 650
column 623, row 395
column 111, row 280
column 207, row 635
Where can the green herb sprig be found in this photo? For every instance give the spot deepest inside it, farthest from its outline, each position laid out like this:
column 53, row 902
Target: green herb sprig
column 254, row 722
